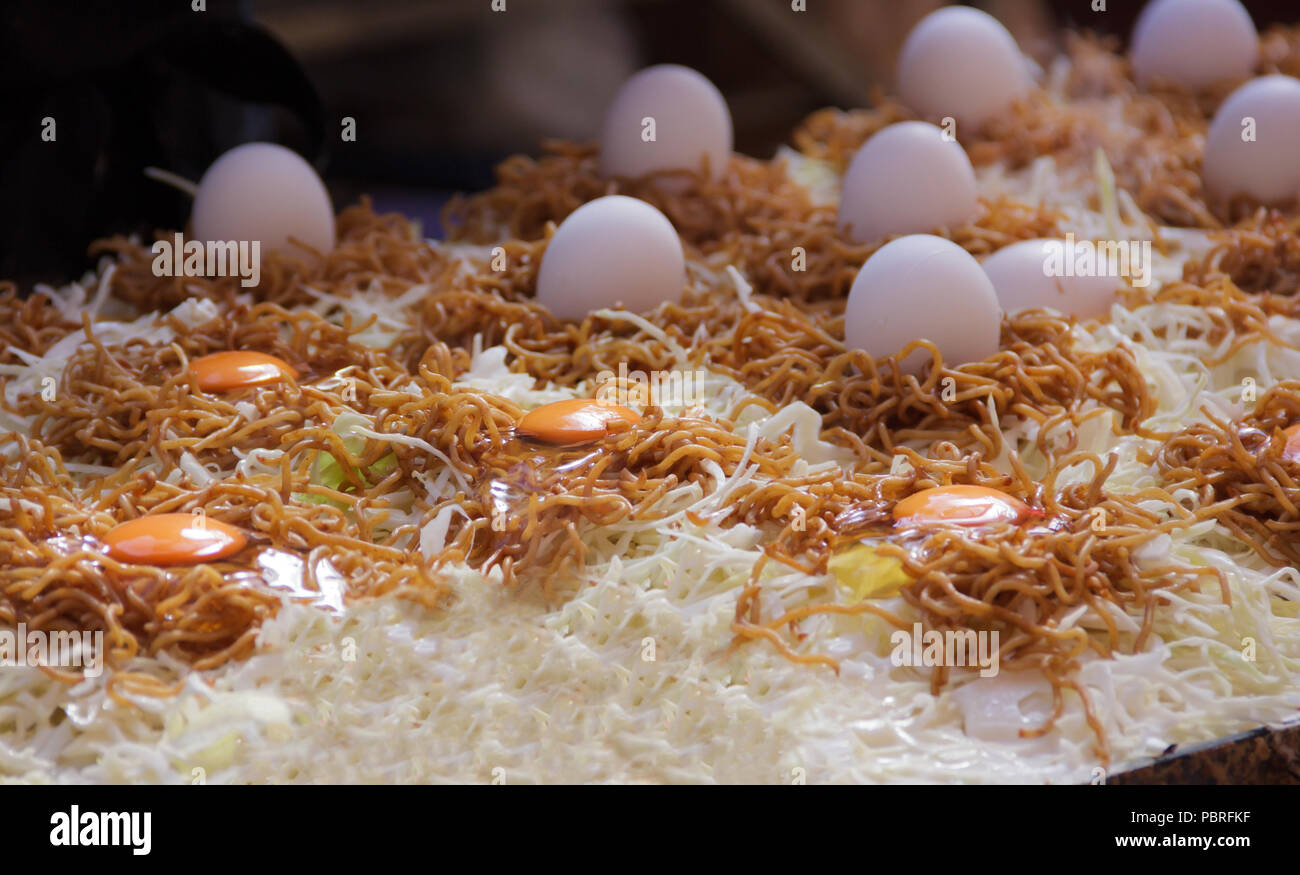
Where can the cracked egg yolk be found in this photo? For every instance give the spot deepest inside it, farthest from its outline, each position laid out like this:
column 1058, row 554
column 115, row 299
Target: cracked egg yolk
column 173, row 539
column 576, row 421
column 960, row 506
column 1291, row 450
column 224, row 371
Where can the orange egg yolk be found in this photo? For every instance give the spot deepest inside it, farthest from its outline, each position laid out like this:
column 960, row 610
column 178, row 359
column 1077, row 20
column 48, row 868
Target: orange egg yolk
column 960, row 506
column 173, row 539
column 1291, row 450
column 223, row 371
column 577, row 421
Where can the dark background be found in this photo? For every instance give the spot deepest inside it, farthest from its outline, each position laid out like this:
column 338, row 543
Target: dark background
column 440, row 90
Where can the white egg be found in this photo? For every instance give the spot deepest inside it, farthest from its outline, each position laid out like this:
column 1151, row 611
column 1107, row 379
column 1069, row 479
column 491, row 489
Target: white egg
column 923, row 287
column 264, row 192
column 963, row 63
column 905, row 179
column 1029, row 275
column 1253, row 144
column 1195, row 43
column 666, row 117
column 612, row 251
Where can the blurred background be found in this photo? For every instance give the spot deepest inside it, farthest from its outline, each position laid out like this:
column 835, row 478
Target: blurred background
column 439, row 90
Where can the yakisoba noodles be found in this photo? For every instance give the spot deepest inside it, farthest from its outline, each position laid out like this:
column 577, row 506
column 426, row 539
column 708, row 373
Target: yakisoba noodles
column 756, row 215
column 783, row 350
column 1261, row 254
column 1152, row 140
column 383, row 253
column 872, row 405
column 31, row 324
column 1154, row 152
column 135, row 399
column 1246, row 471
column 1023, row 581
column 1235, row 319
column 119, row 404
column 544, row 495
column 392, row 466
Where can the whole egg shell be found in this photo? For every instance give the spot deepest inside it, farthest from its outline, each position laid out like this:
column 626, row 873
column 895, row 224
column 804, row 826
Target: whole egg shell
column 1195, row 43
column 264, row 192
column 612, row 251
column 1027, row 276
column 906, row 179
column 691, row 124
column 1253, row 144
column 962, row 63
column 922, row 286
